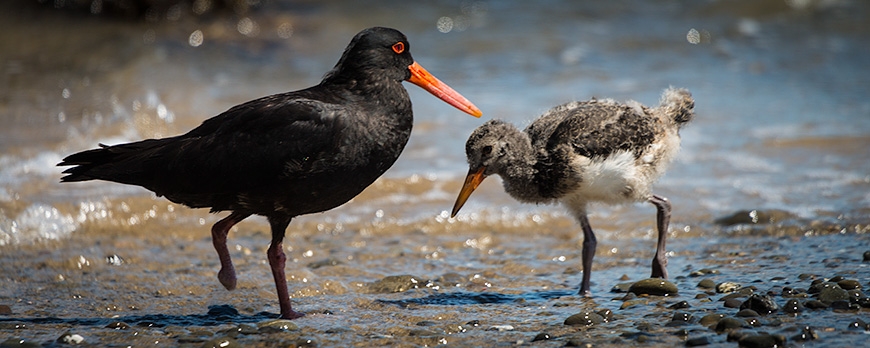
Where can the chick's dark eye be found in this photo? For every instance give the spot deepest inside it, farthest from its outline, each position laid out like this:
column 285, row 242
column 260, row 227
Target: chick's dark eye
column 486, row 150
column 399, row 47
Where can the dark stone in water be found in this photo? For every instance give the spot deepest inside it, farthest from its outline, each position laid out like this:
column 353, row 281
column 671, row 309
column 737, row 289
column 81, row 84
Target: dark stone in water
column 585, row 318
column 762, row 304
column 729, row 323
column 849, row 284
column 653, row 286
column 711, row 319
column 5, row 310
column 867, row 255
column 680, row 305
column 118, row 325
column 703, row 271
column 762, row 340
column 807, row 334
column 859, row 324
column 747, row 313
column 732, row 303
column 698, row 341
column 607, row 314
column 543, row 336
column 707, row 284
column 331, row 261
column 793, row 306
column 815, row 304
column 832, row 292
column 844, row 305
column 682, row 317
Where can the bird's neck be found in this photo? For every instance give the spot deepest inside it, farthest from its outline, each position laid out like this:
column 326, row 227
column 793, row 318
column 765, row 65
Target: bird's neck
column 518, row 169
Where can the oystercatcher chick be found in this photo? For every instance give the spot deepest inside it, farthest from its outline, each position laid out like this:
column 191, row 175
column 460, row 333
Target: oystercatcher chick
column 283, row 155
column 584, row 152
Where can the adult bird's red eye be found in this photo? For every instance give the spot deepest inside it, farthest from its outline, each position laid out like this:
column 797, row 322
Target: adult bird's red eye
column 399, row 47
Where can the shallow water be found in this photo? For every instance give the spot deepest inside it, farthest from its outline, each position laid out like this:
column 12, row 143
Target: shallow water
column 783, row 124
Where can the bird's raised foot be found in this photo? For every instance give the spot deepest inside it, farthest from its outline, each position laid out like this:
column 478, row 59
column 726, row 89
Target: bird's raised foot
column 227, row 277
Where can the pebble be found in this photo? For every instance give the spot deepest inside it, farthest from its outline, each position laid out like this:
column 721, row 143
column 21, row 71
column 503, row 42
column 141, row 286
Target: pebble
column 653, row 286
column 747, row 313
column 711, row 319
column 762, row 304
column 761, row 340
column 69, row 338
column 680, row 305
column 118, row 325
column 732, row 303
column 393, row 284
column 849, row 284
column 585, row 318
column 729, row 323
column 501, row 328
column 815, row 304
column 832, row 292
column 707, row 284
column 807, row 334
column 543, row 336
column 793, row 306
column 867, row 255
column 221, row 342
column 698, row 341
column 727, row 287
column 703, row 272
column 5, row 310
column 632, row 303
column 277, row 325
column 859, row 324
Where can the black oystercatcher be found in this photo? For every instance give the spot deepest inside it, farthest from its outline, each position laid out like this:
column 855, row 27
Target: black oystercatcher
column 582, row 152
column 283, row 155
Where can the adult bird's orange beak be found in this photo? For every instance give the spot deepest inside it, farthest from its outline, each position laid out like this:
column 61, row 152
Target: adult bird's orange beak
column 425, row 80
column 474, row 178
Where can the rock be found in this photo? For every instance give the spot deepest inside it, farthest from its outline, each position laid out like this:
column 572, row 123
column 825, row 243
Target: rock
column 330, row 261
column 727, row 287
column 702, row 272
column 815, row 304
column 867, row 255
column 849, row 284
column 585, row 318
column 392, row 284
column 729, row 323
column 682, row 317
column 698, row 341
column 5, row 310
column 859, row 324
column 607, row 314
column 221, row 342
column 621, row 287
column 793, row 306
column 277, row 325
column 543, row 336
column 680, row 305
column 732, row 302
column 762, row 304
column 832, row 292
column 632, row 303
column 762, row 340
column 707, row 284
column 19, row 343
column 653, row 286
column 747, row 313
column 807, row 334
column 711, row 319
column 68, row 338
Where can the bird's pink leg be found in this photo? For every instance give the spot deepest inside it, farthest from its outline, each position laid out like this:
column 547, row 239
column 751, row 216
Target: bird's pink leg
column 663, row 218
column 276, row 261
column 588, row 253
column 227, row 274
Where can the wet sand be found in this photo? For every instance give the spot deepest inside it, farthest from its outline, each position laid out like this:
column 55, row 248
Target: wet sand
column 156, row 279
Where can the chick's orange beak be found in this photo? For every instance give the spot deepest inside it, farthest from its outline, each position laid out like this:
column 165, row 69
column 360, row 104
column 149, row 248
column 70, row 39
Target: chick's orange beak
column 474, row 178
column 425, row 80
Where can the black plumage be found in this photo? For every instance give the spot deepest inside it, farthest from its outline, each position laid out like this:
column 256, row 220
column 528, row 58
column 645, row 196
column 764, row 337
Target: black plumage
column 283, row 155
column 583, row 152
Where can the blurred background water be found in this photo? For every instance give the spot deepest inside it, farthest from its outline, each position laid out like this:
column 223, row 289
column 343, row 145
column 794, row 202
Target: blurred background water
column 781, row 89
